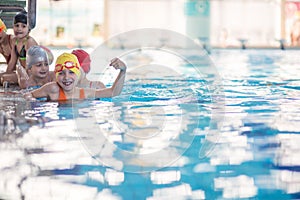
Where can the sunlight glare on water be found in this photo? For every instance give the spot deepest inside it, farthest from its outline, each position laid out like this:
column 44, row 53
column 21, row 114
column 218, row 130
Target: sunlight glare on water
column 166, row 117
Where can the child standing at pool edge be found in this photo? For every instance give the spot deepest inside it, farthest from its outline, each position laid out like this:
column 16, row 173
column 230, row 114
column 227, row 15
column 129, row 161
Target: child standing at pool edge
column 21, row 42
column 67, row 71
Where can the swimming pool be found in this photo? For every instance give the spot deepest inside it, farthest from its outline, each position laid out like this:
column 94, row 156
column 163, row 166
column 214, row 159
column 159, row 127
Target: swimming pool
column 166, row 136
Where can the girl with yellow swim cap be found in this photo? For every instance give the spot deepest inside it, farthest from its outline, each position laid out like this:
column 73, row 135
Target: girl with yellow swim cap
column 67, row 71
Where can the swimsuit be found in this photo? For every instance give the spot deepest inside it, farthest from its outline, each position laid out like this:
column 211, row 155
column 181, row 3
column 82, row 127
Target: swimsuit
column 22, row 53
column 30, row 88
column 62, row 95
column 34, row 87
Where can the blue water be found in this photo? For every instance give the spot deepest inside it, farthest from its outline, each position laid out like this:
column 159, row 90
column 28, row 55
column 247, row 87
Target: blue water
column 227, row 129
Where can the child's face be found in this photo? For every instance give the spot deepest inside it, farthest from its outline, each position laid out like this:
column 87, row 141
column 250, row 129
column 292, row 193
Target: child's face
column 67, row 79
column 20, row 30
column 40, row 69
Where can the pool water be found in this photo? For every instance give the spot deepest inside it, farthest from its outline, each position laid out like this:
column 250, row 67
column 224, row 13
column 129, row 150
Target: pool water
column 169, row 135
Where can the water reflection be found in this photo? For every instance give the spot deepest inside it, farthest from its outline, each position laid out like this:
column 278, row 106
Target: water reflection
column 257, row 114
column 93, row 157
column 141, row 135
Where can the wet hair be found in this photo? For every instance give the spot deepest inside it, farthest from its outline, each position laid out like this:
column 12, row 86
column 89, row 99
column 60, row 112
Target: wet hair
column 21, row 17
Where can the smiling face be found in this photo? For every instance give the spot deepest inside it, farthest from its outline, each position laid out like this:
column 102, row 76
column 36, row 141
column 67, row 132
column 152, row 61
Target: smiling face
column 67, row 79
column 40, row 69
column 20, row 30
column 67, row 71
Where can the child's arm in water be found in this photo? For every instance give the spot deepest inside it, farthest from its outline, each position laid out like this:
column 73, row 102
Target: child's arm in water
column 49, row 90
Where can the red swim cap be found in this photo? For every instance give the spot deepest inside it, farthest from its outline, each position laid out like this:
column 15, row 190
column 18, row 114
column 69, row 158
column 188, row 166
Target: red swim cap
column 83, row 58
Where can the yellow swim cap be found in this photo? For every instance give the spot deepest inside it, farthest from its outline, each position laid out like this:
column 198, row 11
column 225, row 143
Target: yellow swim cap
column 2, row 26
column 67, row 61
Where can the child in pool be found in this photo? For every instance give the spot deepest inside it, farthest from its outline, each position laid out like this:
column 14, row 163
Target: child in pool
column 21, row 43
column 85, row 66
column 5, row 42
column 38, row 59
column 67, row 73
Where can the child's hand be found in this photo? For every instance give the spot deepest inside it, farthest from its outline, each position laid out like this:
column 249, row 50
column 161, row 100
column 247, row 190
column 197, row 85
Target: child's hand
column 21, row 72
column 28, row 96
column 118, row 64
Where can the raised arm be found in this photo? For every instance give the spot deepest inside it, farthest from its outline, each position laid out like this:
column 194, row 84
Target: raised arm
column 117, row 86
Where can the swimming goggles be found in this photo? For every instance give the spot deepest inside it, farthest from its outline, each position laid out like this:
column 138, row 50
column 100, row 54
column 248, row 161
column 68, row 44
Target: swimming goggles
column 67, row 64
